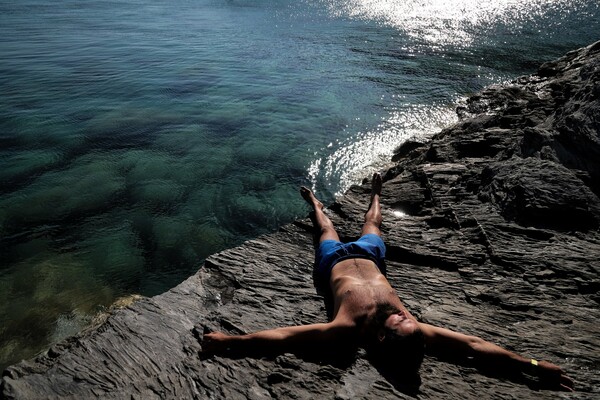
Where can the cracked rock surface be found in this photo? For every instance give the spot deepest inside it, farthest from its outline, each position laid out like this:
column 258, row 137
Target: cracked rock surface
column 492, row 229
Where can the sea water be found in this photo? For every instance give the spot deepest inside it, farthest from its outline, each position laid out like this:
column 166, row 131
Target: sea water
column 137, row 137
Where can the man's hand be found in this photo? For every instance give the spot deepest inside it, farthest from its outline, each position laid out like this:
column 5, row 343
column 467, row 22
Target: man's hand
column 214, row 342
column 553, row 376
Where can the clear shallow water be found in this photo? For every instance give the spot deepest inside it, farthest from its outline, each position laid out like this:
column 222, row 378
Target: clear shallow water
column 137, row 138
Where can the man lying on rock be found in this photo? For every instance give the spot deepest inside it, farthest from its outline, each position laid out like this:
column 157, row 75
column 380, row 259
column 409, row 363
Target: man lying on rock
column 368, row 313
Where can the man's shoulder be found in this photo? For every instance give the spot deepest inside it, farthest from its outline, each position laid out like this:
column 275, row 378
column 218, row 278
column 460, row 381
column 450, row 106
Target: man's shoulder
column 343, row 321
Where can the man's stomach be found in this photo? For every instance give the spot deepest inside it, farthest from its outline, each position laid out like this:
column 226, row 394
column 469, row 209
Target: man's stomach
column 356, row 271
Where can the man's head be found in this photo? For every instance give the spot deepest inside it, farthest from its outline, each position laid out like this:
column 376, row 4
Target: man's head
column 397, row 340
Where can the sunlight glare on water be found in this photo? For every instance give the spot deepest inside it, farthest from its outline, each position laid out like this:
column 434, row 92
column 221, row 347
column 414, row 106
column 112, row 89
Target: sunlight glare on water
column 442, row 22
column 371, row 151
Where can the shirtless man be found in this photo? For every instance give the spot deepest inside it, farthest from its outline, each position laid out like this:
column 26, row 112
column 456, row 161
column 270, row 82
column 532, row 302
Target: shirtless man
column 367, row 312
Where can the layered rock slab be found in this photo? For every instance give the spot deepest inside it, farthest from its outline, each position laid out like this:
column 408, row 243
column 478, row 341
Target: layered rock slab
column 492, row 230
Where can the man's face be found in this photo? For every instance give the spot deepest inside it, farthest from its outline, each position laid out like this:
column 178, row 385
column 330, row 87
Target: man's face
column 401, row 324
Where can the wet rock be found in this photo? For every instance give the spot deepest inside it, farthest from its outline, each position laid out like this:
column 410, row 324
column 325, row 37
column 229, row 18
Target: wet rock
column 492, row 230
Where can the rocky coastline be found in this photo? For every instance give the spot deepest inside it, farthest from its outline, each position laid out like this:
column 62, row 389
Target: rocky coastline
column 492, row 229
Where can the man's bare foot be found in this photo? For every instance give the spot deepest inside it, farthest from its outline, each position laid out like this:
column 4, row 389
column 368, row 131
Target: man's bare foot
column 310, row 198
column 376, row 185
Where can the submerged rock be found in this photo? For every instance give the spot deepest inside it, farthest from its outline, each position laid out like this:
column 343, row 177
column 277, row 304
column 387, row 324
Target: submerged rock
column 492, row 230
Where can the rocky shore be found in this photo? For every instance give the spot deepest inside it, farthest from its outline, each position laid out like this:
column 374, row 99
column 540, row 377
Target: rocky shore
column 492, row 229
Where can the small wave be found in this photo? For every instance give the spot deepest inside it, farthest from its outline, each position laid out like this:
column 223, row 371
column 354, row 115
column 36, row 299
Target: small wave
column 345, row 163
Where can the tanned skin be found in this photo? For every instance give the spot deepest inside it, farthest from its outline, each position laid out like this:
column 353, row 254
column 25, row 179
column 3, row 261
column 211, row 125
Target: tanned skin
column 358, row 287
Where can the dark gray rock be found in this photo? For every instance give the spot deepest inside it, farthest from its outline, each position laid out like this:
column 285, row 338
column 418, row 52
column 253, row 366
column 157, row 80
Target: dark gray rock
column 540, row 193
column 492, row 229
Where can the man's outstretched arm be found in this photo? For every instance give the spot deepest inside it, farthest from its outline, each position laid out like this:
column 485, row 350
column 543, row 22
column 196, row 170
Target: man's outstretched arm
column 278, row 340
column 444, row 342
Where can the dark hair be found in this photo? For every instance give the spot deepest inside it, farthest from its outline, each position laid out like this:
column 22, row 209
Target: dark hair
column 405, row 352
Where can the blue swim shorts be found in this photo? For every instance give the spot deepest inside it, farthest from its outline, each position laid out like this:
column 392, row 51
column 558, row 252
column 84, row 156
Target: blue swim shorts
column 331, row 252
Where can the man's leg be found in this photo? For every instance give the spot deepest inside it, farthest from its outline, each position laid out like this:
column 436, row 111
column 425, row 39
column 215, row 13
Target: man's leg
column 324, row 224
column 373, row 215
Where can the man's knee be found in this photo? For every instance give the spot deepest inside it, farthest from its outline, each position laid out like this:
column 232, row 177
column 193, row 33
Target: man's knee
column 328, row 233
column 373, row 220
column 370, row 227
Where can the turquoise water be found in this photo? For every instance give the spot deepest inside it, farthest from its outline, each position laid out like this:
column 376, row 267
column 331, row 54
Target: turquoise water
column 139, row 137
